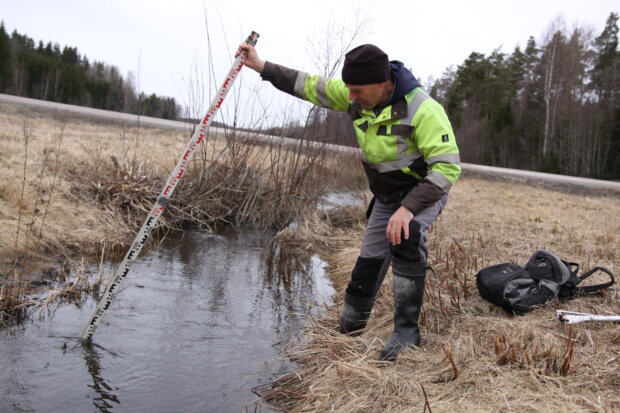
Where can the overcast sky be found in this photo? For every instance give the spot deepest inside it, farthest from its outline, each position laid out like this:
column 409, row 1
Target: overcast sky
column 164, row 42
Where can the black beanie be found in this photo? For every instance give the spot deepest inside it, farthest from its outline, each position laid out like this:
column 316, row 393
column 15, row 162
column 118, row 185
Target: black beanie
column 364, row 65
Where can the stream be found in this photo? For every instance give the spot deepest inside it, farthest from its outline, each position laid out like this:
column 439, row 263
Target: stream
column 199, row 322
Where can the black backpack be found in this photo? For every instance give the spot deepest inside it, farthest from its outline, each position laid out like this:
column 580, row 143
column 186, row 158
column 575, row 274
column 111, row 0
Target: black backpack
column 544, row 277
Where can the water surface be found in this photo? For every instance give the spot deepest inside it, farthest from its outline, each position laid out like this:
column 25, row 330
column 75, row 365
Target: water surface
column 198, row 323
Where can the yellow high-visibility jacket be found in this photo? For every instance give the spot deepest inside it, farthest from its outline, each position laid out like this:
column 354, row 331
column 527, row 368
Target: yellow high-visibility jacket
column 409, row 151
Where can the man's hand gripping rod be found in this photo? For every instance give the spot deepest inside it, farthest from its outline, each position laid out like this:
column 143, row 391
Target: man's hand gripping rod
column 164, row 197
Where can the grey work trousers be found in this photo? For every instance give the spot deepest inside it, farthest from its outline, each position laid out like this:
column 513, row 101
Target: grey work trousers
column 376, row 245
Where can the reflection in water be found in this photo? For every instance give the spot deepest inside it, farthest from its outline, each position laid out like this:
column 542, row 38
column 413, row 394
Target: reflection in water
column 198, row 323
column 287, row 276
column 103, row 389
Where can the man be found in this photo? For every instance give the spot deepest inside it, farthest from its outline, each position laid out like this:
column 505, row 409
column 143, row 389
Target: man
column 411, row 159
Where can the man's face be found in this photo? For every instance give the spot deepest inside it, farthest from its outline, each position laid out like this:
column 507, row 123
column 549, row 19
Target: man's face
column 368, row 96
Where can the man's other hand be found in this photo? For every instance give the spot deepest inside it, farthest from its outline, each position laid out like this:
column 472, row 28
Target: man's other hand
column 398, row 223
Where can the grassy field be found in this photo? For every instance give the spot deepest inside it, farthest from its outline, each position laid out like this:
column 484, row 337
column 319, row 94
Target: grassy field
column 474, row 357
column 70, row 188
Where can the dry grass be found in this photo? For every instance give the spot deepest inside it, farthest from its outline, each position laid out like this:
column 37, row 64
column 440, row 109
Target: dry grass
column 71, row 188
column 474, row 357
column 50, row 186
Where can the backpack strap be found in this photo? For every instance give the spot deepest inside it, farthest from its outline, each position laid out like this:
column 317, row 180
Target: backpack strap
column 573, row 267
column 569, row 289
column 597, row 287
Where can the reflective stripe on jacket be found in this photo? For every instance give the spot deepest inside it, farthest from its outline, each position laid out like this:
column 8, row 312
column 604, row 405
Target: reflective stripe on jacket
column 409, row 150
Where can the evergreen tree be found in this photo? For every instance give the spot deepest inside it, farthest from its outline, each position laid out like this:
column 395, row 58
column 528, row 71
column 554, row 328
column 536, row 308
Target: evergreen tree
column 605, row 71
column 529, row 106
column 44, row 71
column 5, row 59
column 605, row 84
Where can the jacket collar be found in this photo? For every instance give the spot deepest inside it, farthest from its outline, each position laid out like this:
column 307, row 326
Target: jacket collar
column 399, row 109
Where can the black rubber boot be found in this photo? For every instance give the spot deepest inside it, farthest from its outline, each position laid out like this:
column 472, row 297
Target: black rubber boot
column 367, row 276
column 408, row 295
column 359, row 297
column 355, row 313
